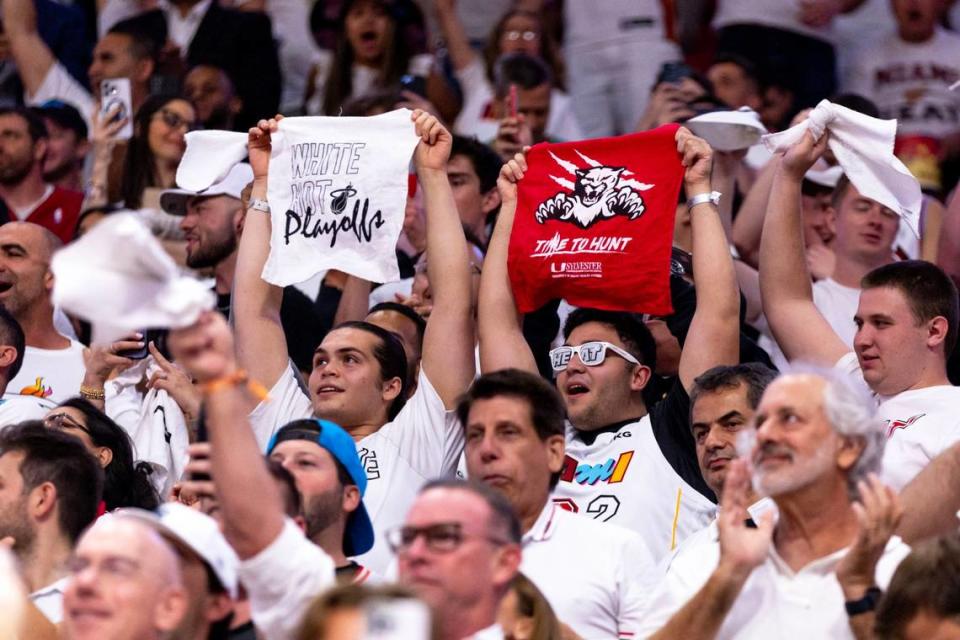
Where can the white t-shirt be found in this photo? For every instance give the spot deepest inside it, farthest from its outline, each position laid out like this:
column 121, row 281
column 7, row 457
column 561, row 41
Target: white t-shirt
column 58, row 84
column 51, row 374
column 589, row 24
column 920, row 424
column 589, row 571
column 478, row 96
column 775, row 602
column 14, row 409
column 49, row 600
column 624, row 478
column 779, row 14
column 282, row 580
column 911, row 81
column 422, row 443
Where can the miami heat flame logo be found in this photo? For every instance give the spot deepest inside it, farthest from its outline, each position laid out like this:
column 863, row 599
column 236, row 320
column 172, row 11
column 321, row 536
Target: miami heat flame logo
column 599, row 192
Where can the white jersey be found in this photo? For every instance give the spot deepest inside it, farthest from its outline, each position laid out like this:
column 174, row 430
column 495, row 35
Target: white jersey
column 422, row 443
column 775, row 602
column 910, row 82
column 14, row 409
column 920, row 424
column 589, row 571
column 51, row 374
column 624, row 477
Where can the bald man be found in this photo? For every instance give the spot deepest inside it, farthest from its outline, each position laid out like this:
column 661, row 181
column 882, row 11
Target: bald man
column 52, row 367
column 125, row 584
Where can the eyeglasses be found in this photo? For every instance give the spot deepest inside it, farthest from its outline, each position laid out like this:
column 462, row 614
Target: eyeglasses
column 63, row 421
column 514, row 35
column 590, row 353
column 175, row 120
column 442, row 537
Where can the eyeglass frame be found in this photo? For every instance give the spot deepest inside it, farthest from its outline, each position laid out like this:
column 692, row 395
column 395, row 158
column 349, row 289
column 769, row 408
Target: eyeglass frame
column 169, row 116
column 575, row 351
column 54, row 419
column 527, row 35
column 397, row 545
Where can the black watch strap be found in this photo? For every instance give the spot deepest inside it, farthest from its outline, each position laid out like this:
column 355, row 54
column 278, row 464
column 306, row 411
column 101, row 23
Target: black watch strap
column 865, row 604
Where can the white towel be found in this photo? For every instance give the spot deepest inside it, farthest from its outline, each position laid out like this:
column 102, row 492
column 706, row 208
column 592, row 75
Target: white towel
column 119, row 278
column 337, row 191
column 864, row 148
column 728, row 130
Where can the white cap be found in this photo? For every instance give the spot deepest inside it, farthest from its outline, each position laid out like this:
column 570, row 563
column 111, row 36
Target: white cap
column 174, row 201
column 824, row 176
column 198, row 532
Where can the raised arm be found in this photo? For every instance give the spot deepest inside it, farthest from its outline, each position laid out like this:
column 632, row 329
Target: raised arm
column 261, row 345
column 354, row 300
column 785, row 290
column 29, row 51
column 714, row 335
column 502, row 345
column 249, row 498
column 749, row 222
column 449, row 342
column 932, row 499
column 458, row 45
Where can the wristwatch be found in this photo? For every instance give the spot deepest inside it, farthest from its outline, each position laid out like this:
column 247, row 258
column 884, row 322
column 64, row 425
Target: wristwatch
column 865, row 604
column 713, row 196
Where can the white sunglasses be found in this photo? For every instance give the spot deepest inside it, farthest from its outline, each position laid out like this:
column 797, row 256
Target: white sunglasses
column 590, row 353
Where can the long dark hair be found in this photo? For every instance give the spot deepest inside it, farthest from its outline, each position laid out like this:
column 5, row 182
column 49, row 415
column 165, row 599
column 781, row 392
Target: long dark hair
column 127, row 483
column 139, row 164
column 396, row 58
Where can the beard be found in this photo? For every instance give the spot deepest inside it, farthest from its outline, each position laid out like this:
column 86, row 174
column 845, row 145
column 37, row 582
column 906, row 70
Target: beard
column 15, row 523
column 212, row 253
column 13, row 170
column 321, row 511
column 799, row 473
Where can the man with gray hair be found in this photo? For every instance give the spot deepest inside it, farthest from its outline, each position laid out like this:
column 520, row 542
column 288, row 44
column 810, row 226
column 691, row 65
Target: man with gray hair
column 817, row 446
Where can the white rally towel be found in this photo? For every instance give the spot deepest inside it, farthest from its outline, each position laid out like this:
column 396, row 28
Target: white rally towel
column 119, row 278
column 864, row 148
column 337, row 191
column 728, row 130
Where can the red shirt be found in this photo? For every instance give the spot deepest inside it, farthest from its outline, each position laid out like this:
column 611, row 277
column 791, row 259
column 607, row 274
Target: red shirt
column 58, row 213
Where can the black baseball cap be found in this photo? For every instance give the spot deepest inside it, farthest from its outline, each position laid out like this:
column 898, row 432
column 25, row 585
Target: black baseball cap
column 65, row 115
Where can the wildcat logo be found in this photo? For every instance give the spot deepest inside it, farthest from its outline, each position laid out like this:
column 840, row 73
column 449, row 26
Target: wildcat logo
column 599, row 192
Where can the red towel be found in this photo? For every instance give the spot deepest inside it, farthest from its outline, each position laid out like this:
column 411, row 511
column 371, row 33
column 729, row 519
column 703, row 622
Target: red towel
column 594, row 223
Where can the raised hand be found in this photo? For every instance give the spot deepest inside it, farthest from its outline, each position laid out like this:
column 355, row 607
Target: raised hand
column 697, row 157
column 510, row 174
column 204, row 349
column 878, row 516
column 742, row 548
column 175, row 382
column 259, row 146
column 435, row 142
column 513, row 135
column 798, row 159
column 101, row 361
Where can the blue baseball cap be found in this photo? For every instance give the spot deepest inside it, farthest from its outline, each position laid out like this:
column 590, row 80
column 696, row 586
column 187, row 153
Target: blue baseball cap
column 358, row 537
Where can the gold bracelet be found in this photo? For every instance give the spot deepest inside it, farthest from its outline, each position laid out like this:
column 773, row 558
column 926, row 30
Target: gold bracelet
column 92, row 393
column 236, row 379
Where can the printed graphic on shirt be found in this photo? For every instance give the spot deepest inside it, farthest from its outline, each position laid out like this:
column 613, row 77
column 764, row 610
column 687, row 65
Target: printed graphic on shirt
column 316, row 212
column 611, row 471
column 37, row 389
column 599, row 192
column 601, row 507
column 368, row 458
column 893, row 425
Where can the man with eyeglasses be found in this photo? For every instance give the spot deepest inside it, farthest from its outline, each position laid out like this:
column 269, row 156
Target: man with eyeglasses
column 514, row 426
column 626, row 462
column 125, row 583
column 459, row 549
column 50, row 489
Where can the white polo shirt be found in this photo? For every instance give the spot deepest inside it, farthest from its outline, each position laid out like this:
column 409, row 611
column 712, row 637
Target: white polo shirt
column 282, row 580
column 589, row 571
column 423, row 442
column 920, row 424
column 49, row 600
column 775, row 602
column 623, row 478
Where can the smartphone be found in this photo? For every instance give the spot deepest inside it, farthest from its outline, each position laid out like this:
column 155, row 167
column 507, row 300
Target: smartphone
column 157, row 336
column 414, row 84
column 512, row 101
column 115, row 95
column 406, row 619
column 673, row 72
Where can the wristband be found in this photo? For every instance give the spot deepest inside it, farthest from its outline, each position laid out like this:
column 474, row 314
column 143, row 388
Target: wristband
column 259, row 205
column 92, row 393
column 238, row 378
column 703, row 198
column 865, row 604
